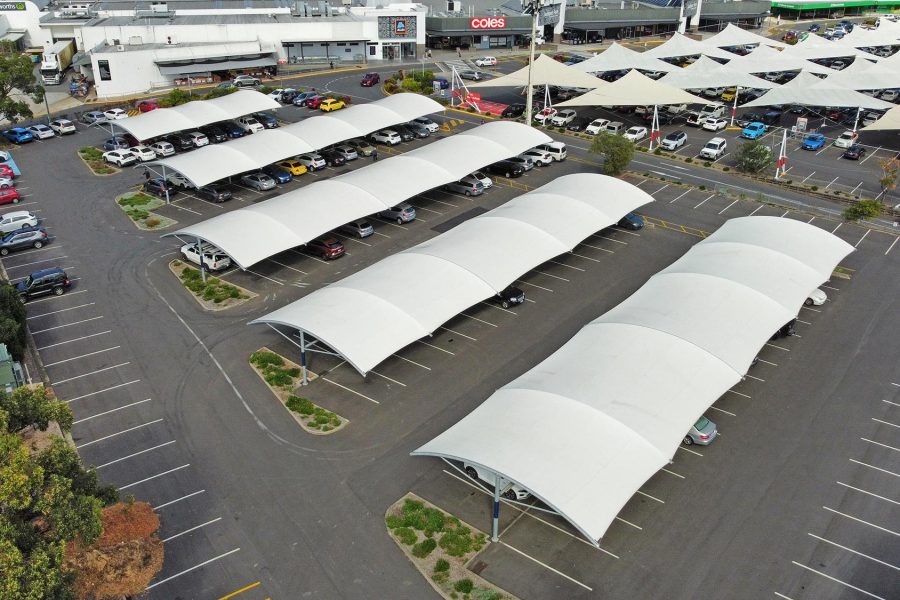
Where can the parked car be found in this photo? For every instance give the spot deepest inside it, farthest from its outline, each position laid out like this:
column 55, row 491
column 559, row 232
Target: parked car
column 214, row 193
column 114, row 114
column 267, row 120
column 9, row 196
column 18, row 135
column 513, row 111
column 854, row 152
column 754, row 131
column 249, row 124
column 159, row 187
column 277, row 173
column 545, row 116
column 46, row 281
column 362, row 147
column 507, row 168
column 419, row 130
column 557, row 150
column 486, row 181
column 890, row 95
column 120, row 158
column 6, row 172
column 694, row 119
column 214, row 134
column 147, row 105
column 278, row 94
column 402, row 213
column 715, row 124
column 486, row 61
column 442, row 83
column 293, row 166
column 359, row 228
column 674, row 140
column 213, row 258
column 772, row 117
column 596, row 126
column 714, row 149
column 180, row 141
column 245, row 81
column 312, row 161
column 115, row 143
column 231, row 129
column 514, row 492
column 614, row 127
column 703, row 432
column 17, row 219
column 404, row 132
column 162, row 149
column 526, row 163
column 816, row 298
column 564, row 117
column 62, row 126
column 386, row 136
column 331, row 104
column 41, row 131
column 467, row 185
column 540, row 158
column 815, row 27
column 347, row 151
column 258, row 181
column 632, row 221
column 470, row 75
column 314, row 102
column 813, row 141
column 29, row 237
column 326, row 247
column 333, row 158
column 427, row 123
column 5, row 182
column 370, row 79
column 635, row 134
column 846, row 139
column 511, row 296
column 93, row 116
column 301, row 98
column 198, row 138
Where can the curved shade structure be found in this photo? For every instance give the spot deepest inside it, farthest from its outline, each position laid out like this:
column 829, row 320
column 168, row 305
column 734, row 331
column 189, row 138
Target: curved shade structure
column 249, row 235
column 419, row 289
column 620, row 58
column 546, row 71
column 628, row 386
column 163, row 121
column 217, row 161
column 634, row 89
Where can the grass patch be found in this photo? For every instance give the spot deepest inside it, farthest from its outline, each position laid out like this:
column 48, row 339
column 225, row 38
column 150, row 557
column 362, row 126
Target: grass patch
column 315, row 417
column 212, row 290
column 93, row 158
column 90, row 153
column 140, row 206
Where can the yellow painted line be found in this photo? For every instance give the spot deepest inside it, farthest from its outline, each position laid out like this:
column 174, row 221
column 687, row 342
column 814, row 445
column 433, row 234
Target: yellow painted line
column 241, row 591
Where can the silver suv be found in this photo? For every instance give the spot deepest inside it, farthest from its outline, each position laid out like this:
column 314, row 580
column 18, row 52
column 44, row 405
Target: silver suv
column 402, row 213
column 468, row 185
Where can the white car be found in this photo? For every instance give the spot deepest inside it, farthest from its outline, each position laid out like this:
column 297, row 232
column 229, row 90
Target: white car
column 635, row 134
column 114, row 114
column 674, row 140
column 179, row 181
column 119, row 157
column 387, row 136
column 845, row 140
column 17, row 219
column 715, row 124
column 870, row 118
column 143, row 153
column 428, row 123
column 6, row 182
column 486, row 181
column 514, row 491
column 62, row 126
column 545, row 115
column 538, row 157
column 213, row 258
column 773, row 76
column 312, row 161
column 245, row 81
column 199, row 139
column 713, row 92
column 817, row 298
column 163, row 149
column 596, row 126
column 249, row 125
column 41, row 132
column 643, row 110
column 564, row 117
column 890, row 95
column 486, row 61
column 279, row 93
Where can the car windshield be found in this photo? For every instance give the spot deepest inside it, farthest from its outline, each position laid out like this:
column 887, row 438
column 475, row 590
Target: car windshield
column 701, row 424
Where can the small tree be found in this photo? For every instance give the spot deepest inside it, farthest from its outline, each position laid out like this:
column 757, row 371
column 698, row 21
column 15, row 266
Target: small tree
column 862, row 209
column 12, row 321
column 175, row 98
column 888, row 180
column 753, row 157
column 616, row 150
column 33, row 406
column 17, row 80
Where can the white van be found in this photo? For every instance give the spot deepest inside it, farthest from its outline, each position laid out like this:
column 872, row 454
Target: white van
column 555, row 149
column 714, row 148
column 712, row 111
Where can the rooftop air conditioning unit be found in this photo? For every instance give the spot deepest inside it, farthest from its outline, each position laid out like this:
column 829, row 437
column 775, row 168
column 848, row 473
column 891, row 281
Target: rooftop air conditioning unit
column 120, row 48
column 159, row 7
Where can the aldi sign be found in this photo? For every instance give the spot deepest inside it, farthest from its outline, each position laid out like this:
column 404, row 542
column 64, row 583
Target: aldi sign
column 488, row 23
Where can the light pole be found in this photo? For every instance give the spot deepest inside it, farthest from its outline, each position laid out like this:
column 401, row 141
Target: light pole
column 535, row 7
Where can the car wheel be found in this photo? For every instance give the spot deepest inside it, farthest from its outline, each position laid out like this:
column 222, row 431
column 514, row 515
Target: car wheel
column 58, row 291
column 4, row 251
column 15, row 201
column 504, row 304
column 471, row 472
column 688, row 440
column 399, row 221
column 509, row 494
column 808, row 302
column 507, row 175
column 25, row 226
column 39, row 244
column 468, row 193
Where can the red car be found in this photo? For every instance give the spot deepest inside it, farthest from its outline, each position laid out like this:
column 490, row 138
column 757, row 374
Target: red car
column 315, row 102
column 326, row 247
column 6, row 171
column 147, row 105
column 11, row 196
column 370, row 79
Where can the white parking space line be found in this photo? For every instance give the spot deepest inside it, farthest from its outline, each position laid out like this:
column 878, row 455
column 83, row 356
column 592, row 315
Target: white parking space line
column 674, row 473
column 852, row 587
column 534, row 285
column 67, row 269
column 171, row 502
column 78, row 339
column 173, row 205
column 768, row 363
column 689, row 450
column 729, row 206
column 809, row 308
column 889, row 402
column 856, row 245
column 112, row 410
column 411, row 362
column 891, row 246
column 880, row 444
column 586, row 257
column 679, row 197
column 886, row 423
column 808, row 176
column 495, row 307
column 609, row 239
column 194, row 568
column 172, row 537
column 783, row 597
column 287, row 266
column 831, row 182
column 436, row 348
column 546, row 566
column 479, row 320
column 343, row 387
column 56, row 312
column 36, row 262
column 61, row 381
column 660, row 189
column 417, row 207
column 599, row 248
column 755, row 210
column 146, row 479
column 373, row 372
column 723, row 411
column 872, row 558
column 349, row 238
column 847, row 485
column 740, row 394
column 853, row 460
column 756, row 378
column 785, row 214
column 57, row 297
column 640, row 183
column 565, row 265
column 858, row 520
column 66, row 325
column 704, row 201
column 853, row 191
column 870, row 156
column 438, row 201
column 59, row 362
column 133, row 454
column 549, row 275
column 651, row 497
column 55, row 246
column 382, row 235
column 109, row 389
column 779, row 347
column 468, row 337
column 112, row 435
column 264, row 277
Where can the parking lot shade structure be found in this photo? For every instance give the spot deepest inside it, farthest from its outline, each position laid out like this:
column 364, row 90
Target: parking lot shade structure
column 546, row 71
column 620, row 58
column 707, row 73
column 634, row 89
column 809, row 90
column 733, row 35
column 680, row 45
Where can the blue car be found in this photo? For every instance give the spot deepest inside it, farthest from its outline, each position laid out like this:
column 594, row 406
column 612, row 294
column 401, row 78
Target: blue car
column 301, row 98
column 442, row 82
column 277, row 173
column 115, row 143
column 18, row 135
column 268, row 121
column 753, row 131
column 813, row 141
column 231, row 129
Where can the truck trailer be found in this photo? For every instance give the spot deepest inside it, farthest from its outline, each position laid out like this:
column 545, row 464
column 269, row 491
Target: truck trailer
column 55, row 61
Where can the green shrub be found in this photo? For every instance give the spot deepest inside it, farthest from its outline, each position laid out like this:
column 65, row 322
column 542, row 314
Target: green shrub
column 441, row 565
column 707, row 164
column 440, row 578
column 90, row 153
column 393, row 521
column 702, row 187
column 424, row 548
column 689, row 160
column 300, row 405
column 264, row 358
column 814, row 188
column 457, row 541
column 434, row 520
column 658, row 151
column 463, row 586
column 726, row 168
column 863, row 209
column 406, row 535
column 273, row 377
column 486, row 594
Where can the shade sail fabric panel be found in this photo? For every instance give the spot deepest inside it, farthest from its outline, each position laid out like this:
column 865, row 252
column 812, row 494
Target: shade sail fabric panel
column 766, row 60
column 809, row 90
column 681, row 45
column 434, row 281
column 706, row 73
column 195, row 114
column 634, row 89
column 545, row 71
column 864, row 75
column 631, row 383
column 620, row 58
column 733, row 35
column 890, row 120
column 301, row 215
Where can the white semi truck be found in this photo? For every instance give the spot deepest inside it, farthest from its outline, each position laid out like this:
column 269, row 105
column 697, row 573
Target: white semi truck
column 55, row 61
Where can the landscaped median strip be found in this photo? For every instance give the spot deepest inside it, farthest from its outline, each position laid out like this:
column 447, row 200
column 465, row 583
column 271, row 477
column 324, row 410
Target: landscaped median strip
column 212, row 294
column 93, row 158
column 139, row 206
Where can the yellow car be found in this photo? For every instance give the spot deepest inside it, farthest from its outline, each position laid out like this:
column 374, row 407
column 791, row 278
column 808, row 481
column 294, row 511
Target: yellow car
column 728, row 95
column 331, row 104
column 292, row 166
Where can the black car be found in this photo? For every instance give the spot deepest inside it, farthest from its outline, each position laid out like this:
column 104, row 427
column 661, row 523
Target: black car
column 579, row 124
column 214, row 193
column 181, row 141
column 507, row 168
column 268, row 121
column 287, row 96
column 405, row 133
column 631, row 221
column 27, row 237
column 45, row 281
column 785, row 330
column 277, row 173
column 513, row 111
column 214, row 133
column 158, row 187
column 333, row 158
column 509, row 297
column 814, row 28
column 750, row 117
column 854, row 152
column 772, row 117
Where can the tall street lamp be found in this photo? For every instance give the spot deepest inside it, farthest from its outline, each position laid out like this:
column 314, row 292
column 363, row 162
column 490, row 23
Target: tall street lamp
column 532, row 7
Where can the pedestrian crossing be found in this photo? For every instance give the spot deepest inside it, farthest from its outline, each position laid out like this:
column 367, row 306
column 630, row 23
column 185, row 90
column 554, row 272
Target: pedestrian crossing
column 460, row 64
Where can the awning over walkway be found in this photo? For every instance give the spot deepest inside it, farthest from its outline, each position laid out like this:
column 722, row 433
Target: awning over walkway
column 620, row 58
column 163, row 121
column 624, row 391
column 634, row 89
column 225, row 65
column 218, row 161
column 733, row 35
column 419, row 289
column 546, row 72
column 249, row 235
column 809, row 90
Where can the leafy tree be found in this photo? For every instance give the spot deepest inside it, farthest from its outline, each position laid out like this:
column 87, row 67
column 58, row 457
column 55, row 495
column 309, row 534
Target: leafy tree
column 753, row 157
column 863, row 209
column 12, row 321
column 888, row 180
column 218, row 92
column 616, row 150
column 63, row 460
column 175, row 98
column 17, row 79
column 33, row 406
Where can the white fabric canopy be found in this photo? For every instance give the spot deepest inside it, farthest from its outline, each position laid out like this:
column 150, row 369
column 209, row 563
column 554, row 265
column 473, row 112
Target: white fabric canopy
column 766, row 60
column 634, row 89
column 419, row 289
column 681, row 45
column 217, row 161
column 890, row 120
column 809, row 90
column 706, row 73
column 733, row 35
column 620, row 58
column 163, row 121
column 624, row 391
column 818, row 47
column 865, row 75
column 546, row 71
column 249, row 235
column 887, row 34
